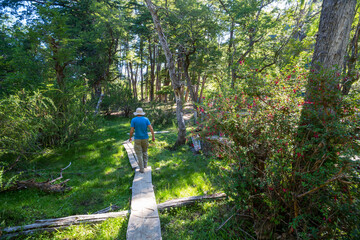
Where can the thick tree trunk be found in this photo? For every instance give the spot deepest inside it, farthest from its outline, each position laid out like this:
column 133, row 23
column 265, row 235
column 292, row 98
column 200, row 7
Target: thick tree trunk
column 334, row 32
column 174, row 80
column 332, row 39
column 323, row 95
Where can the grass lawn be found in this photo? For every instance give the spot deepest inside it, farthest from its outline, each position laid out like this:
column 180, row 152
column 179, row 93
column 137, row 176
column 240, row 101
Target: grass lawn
column 100, row 176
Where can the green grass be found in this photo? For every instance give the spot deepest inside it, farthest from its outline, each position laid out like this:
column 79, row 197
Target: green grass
column 203, row 221
column 100, row 176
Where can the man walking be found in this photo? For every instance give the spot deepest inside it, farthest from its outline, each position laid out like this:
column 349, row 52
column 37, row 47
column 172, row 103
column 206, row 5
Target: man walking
column 140, row 124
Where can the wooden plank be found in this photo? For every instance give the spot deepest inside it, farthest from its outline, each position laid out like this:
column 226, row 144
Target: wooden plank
column 144, row 222
column 134, row 157
column 131, row 154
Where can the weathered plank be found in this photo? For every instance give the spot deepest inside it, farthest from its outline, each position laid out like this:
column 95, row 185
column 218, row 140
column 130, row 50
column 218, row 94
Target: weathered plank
column 131, row 154
column 144, row 222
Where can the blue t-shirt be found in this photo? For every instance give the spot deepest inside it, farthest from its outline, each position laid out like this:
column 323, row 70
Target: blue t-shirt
column 140, row 124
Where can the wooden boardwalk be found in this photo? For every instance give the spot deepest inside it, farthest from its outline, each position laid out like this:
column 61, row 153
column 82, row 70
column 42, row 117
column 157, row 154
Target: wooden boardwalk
column 144, row 222
column 131, row 154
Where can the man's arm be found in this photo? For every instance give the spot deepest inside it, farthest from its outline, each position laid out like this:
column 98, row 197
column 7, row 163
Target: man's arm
column 152, row 132
column 131, row 133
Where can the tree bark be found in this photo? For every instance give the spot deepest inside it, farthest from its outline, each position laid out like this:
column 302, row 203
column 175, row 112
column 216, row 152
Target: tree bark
column 152, row 71
column 158, row 69
column 351, row 75
column 141, row 69
column 334, row 33
column 202, row 87
column 231, row 54
column 174, row 80
column 323, row 94
column 330, row 48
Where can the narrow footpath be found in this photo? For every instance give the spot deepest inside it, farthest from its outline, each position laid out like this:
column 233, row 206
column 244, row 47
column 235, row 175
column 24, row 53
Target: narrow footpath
column 144, row 222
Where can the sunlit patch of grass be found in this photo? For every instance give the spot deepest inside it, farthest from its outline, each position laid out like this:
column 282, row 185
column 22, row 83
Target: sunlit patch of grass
column 202, row 221
column 179, row 173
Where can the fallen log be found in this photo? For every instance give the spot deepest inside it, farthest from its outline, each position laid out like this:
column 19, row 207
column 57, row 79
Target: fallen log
column 189, row 200
column 60, row 223
column 46, row 186
column 108, row 209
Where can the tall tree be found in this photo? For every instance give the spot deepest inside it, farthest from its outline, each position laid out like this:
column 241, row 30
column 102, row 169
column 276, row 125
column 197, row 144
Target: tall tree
column 332, row 39
column 174, row 79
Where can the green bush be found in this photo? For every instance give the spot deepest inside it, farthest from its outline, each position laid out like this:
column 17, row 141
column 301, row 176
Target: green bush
column 119, row 98
column 5, row 184
column 292, row 185
column 158, row 116
column 32, row 121
column 22, row 117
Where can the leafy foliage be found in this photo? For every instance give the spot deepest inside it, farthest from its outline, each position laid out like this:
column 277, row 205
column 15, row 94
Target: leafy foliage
column 119, row 98
column 158, row 116
column 267, row 169
column 30, row 121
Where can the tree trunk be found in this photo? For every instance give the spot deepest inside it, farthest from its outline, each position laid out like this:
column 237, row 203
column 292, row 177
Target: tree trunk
column 332, row 39
column 97, row 89
column 202, row 87
column 128, row 75
column 166, row 83
column 174, row 80
column 141, row 69
column 158, row 69
column 334, row 32
column 132, row 79
column 147, row 83
column 186, row 64
column 231, row 55
column 186, row 95
column 323, row 95
column 152, row 71
column 351, row 74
